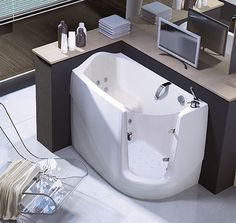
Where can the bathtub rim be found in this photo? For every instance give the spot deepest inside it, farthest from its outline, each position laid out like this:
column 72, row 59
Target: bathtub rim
column 80, row 72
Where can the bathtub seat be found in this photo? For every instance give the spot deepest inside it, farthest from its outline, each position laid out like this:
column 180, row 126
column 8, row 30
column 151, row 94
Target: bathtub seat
column 129, row 102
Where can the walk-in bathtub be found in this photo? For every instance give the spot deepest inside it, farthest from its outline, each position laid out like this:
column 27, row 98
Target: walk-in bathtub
column 147, row 143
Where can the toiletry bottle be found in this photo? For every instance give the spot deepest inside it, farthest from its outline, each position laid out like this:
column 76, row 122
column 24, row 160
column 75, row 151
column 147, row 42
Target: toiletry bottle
column 80, row 38
column 64, row 40
column 198, row 4
column 81, row 25
column 204, row 2
column 61, row 26
column 177, row 4
column 71, row 40
column 188, row 4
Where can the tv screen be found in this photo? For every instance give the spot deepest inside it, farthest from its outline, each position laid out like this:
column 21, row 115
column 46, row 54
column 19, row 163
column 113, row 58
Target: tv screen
column 213, row 33
column 178, row 42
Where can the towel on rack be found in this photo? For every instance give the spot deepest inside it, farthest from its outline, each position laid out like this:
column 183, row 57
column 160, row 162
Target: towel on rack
column 13, row 182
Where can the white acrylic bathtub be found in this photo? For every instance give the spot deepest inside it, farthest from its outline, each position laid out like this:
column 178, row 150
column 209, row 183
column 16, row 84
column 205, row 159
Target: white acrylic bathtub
column 146, row 148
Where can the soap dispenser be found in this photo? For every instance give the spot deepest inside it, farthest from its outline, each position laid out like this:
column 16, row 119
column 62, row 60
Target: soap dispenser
column 81, row 25
column 80, row 38
column 61, row 27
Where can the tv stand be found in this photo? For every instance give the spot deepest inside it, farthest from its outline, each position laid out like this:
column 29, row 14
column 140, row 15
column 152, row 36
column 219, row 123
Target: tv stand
column 166, row 54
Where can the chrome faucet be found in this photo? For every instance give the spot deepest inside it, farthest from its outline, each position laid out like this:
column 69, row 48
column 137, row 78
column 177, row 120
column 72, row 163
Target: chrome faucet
column 160, row 88
column 195, row 102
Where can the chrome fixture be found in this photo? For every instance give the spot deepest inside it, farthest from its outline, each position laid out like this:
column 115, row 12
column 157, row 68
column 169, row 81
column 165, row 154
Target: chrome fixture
column 194, row 95
column 171, row 131
column 195, row 102
column 160, row 88
column 129, row 136
column 181, row 99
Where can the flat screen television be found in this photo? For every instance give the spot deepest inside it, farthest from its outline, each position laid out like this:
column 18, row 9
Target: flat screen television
column 213, row 33
column 178, row 42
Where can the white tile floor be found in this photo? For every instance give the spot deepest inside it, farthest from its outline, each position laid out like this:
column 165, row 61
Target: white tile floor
column 95, row 201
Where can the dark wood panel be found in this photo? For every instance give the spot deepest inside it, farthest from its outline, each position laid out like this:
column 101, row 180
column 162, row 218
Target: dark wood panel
column 43, row 103
column 6, row 29
column 227, row 157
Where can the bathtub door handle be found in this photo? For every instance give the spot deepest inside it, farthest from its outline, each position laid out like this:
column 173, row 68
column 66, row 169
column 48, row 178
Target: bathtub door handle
column 129, row 136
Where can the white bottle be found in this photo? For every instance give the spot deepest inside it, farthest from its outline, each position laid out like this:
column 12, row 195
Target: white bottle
column 64, row 43
column 177, row 4
column 71, row 40
column 199, row 4
column 204, row 2
column 81, row 25
column 133, row 8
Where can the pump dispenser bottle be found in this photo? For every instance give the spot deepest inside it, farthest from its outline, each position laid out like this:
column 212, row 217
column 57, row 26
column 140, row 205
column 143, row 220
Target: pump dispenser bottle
column 81, row 25
column 61, row 27
column 80, row 38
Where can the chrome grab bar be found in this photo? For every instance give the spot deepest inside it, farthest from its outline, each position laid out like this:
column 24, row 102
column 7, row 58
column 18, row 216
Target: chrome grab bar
column 160, row 88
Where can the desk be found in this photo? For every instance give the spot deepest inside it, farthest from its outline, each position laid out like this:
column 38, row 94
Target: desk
column 212, row 84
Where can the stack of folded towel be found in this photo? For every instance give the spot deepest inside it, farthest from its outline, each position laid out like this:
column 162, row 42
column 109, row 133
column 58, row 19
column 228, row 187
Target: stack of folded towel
column 114, row 26
column 12, row 184
column 153, row 11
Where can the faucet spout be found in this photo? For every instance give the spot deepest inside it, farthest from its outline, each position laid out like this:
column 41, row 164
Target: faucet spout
column 195, row 103
column 194, row 95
